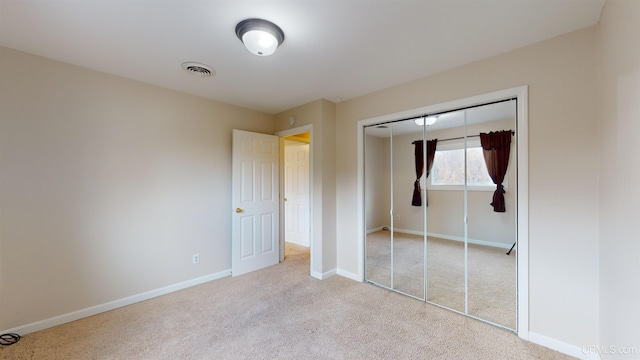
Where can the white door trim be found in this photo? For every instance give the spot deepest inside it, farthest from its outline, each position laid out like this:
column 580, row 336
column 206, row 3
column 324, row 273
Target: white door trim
column 522, row 174
column 312, row 241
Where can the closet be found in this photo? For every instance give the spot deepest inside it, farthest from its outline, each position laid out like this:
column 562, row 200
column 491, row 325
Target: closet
column 440, row 193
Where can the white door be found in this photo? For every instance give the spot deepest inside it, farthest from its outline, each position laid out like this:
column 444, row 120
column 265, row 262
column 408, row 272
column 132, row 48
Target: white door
column 255, row 183
column 296, row 194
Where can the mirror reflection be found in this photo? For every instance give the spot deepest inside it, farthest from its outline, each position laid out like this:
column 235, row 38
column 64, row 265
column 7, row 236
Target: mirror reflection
column 378, row 198
column 445, row 213
column 491, row 229
column 408, row 220
column 433, row 230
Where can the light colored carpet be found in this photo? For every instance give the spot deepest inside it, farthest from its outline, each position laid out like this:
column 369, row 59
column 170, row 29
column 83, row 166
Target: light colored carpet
column 492, row 274
column 278, row 313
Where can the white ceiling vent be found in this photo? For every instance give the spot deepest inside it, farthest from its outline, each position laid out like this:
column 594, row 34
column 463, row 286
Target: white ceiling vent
column 198, row 69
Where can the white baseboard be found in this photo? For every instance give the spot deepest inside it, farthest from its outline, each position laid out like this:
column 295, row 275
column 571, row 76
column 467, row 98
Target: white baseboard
column 94, row 310
column 305, row 244
column 322, row 276
column 568, row 349
column 456, row 238
column 350, row 275
column 446, row 237
column 471, row 241
column 369, row 231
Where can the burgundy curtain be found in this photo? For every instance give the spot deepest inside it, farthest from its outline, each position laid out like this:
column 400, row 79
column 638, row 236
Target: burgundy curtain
column 496, row 147
column 419, row 155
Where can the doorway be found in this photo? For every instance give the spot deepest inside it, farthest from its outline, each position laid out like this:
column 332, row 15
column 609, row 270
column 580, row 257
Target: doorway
column 296, row 190
column 296, row 210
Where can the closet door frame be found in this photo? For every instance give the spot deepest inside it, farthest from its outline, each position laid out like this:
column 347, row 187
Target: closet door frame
column 522, row 175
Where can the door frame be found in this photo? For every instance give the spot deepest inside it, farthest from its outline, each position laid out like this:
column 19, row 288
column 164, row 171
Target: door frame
column 522, row 175
column 282, row 134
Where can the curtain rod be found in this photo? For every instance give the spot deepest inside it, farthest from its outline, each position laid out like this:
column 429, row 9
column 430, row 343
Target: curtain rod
column 461, row 137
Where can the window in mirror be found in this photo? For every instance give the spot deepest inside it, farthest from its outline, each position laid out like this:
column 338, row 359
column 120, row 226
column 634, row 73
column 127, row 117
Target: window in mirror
column 448, row 168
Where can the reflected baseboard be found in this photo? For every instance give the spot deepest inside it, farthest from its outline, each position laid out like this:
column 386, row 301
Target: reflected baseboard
column 446, row 237
column 370, row 231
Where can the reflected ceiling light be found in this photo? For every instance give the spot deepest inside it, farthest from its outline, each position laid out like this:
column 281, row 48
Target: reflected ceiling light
column 430, row 120
column 260, row 37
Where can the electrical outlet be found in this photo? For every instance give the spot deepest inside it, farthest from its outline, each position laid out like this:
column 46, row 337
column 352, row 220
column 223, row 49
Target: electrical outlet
column 196, row 258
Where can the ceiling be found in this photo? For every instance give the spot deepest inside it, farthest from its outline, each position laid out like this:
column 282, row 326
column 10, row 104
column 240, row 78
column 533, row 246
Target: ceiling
column 504, row 110
column 333, row 49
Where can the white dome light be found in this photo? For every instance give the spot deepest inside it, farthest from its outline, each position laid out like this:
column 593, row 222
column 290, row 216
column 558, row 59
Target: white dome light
column 260, row 37
column 428, row 121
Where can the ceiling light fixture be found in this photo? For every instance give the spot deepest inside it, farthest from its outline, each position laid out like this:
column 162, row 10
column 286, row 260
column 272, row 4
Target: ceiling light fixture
column 426, row 120
column 260, row 37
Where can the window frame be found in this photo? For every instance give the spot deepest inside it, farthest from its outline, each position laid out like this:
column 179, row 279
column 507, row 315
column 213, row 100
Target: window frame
column 460, row 145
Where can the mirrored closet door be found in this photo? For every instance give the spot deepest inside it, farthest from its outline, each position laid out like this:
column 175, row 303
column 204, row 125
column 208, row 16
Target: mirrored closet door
column 378, row 170
column 440, row 209
column 408, row 221
column 395, row 237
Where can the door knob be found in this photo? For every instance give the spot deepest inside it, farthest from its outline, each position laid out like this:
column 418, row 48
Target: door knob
column 285, row 199
column 238, row 210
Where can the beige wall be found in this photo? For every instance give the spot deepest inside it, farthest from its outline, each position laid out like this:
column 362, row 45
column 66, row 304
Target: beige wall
column 107, row 187
column 620, row 175
column 321, row 115
column 563, row 210
column 329, row 246
column 377, row 175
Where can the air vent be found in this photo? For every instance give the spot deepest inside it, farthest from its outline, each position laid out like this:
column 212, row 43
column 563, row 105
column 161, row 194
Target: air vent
column 198, row 69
